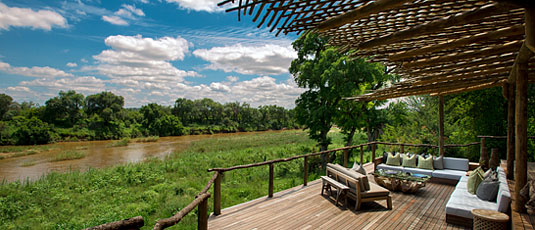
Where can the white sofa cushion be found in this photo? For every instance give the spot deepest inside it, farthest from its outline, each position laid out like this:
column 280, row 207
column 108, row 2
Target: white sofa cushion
column 461, row 202
column 449, row 174
column 504, row 196
column 456, row 163
column 390, row 167
column 418, row 171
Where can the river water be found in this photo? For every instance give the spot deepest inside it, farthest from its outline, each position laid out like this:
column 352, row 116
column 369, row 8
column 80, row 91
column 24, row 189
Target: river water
column 98, row 155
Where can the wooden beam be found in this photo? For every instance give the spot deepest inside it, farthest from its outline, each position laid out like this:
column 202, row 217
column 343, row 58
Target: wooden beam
column 530, row 27
column 217, row 194
column 459, row 65
column 498, row 49
column 521, row 135
column 130, row 223
column 437, row 25
column 441, row 125
column 503, row 32
column 360, row 12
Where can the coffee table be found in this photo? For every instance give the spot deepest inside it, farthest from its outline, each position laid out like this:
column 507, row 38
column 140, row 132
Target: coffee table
column 400, row 181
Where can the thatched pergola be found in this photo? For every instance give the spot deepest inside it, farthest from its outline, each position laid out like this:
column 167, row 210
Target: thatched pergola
column 439, row 47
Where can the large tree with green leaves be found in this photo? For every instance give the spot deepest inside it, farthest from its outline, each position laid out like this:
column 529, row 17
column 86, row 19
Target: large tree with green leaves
column 5, row 102
column 65, row 109
column 329, row 76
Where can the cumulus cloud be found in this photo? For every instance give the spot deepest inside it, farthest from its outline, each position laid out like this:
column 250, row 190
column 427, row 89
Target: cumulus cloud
column 71, row 64
column 135, row 61
column 86, row 84
column 120, row 16
column 260, row 60
column 116, row 20
column 25, row 17
column 36, row 71
column 198, row 5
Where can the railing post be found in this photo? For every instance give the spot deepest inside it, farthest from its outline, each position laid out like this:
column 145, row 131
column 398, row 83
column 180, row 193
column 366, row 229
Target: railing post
column 270, row 180
column 346, row 156
column 202, row 218
column 306, row 171
column 362, row 155
column 402, row 148
column 217, row 194
column 373, row 156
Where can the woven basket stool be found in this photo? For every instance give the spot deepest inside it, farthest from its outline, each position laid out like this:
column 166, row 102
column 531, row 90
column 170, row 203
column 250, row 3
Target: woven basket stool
column 485, row 219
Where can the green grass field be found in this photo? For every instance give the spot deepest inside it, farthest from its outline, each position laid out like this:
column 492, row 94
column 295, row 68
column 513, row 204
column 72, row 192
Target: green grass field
column 156, row 188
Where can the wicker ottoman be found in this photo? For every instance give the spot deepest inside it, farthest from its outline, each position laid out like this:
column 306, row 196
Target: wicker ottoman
column 489, row 219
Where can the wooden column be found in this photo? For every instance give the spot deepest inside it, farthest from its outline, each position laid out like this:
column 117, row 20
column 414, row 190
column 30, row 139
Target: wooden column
column 202, row 218
column 346, row 156
column 373, row 156
column 270, row 194
column 521, row 137
column 510, row 130
column 441, row 125
column 305, row 182
column 217, row 194
column 401, row 148
column 362, row 156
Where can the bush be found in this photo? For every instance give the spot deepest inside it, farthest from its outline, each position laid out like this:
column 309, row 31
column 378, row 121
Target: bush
column 32, row 131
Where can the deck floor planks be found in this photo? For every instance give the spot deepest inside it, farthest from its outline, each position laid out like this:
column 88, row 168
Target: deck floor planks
column 303, row 207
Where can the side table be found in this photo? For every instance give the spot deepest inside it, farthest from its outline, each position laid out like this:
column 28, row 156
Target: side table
column 489, row 219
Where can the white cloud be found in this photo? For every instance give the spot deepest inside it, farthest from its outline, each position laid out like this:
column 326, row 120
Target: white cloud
column 133, row 9
column 18, row 89
column 87, row 84
column 115, row 20
column 232, row 78
column 71, row 64
column 36, row 71
column 259, row 60
column 26, row 17
column 198, row 5
column 134, row 61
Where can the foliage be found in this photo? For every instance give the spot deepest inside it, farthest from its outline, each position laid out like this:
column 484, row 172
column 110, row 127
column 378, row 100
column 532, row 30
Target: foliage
column 65, row 109
column 31, row 131
column 68, row 155
column 5, row 101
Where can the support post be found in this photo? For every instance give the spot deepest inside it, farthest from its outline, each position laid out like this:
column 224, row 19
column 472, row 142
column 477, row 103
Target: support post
column 521, row 137
column 270, row 194
column 362, row 156
column 202, row 218
column 510, row 130
column 373, row 156
column 402, row 148
column 306, row 172
column 217, row 194
column 482, row 144
column 441, row 125
column 346, row 157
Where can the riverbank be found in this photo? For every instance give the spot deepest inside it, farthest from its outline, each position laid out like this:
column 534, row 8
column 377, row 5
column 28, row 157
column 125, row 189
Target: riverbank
column 156, row 188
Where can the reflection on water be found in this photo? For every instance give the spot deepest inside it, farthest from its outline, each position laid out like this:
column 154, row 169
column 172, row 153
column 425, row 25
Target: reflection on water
column 98, row 156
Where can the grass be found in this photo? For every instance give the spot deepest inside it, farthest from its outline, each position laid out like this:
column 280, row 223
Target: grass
column 28, row 163
column 148, row 139
column 18, row 151
column 156, row 188
column 121, row 143
column 68, row 155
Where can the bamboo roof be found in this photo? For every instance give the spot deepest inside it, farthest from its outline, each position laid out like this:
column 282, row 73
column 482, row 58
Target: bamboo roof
column 439, row 47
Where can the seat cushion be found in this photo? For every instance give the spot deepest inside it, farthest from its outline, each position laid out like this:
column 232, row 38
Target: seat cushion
column 488, row 190
column 390, row 167
column 375, row 191
column 409, row 161
column 393, row 160
column 425, row 163
column 449, row 174
column 461, row 202
column 504, row 196
column 456, row 163
column 362, row 179
column 419, row 171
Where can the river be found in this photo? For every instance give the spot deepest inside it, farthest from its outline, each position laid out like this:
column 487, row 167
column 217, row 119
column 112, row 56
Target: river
column 98, row 155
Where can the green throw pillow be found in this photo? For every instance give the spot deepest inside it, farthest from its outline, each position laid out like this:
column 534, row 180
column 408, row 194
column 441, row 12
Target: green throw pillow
column 409, row 161
column 475, row 178
column 425, row 163
column 393, row 160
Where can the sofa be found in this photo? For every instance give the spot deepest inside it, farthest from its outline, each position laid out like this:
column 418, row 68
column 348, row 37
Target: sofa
column 454, row 168
column 461, row 202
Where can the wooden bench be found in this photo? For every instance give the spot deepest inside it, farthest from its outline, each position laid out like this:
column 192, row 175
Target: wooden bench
column 341, row 190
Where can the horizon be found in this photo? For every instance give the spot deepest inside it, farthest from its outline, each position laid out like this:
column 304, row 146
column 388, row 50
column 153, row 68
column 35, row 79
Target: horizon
column 146, row 51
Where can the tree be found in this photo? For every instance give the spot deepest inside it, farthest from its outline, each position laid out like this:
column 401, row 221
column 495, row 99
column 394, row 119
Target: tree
column 66, row 109
column 5, row 102
column 105, row 104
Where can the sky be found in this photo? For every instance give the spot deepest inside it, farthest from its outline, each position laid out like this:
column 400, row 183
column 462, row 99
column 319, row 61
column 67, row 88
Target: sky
column 148, row 51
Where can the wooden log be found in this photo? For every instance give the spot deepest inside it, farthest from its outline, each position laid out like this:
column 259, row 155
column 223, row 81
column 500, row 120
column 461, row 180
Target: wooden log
column 510, row 131
column 168, row 222
column 373, row 156
column 402, row 148
column 358, row 13
column 437, row 25
column 346, row 156
column 492, row 50
column 270, row 193
column 441, row 125
column 483, row 143
column 523, row 55
column 210, row 182
column 305, row 166
column 530, row 27
column 362, row 156
column 521, row 140
column 502, row 32
column 130, row 223
column 217, row 194
column 202, row 216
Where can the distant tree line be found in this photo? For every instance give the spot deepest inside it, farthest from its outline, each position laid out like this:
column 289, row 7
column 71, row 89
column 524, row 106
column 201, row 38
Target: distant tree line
column 70, row 117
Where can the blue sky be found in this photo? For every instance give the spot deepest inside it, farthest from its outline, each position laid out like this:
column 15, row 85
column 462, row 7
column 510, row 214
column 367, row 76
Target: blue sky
column 147, row 51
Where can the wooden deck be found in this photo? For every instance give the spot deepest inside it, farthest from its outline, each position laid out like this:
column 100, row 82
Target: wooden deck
column 522, row 221
column 305, row 208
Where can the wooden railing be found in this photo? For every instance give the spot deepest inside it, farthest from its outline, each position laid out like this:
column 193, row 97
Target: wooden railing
column 201, row 200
